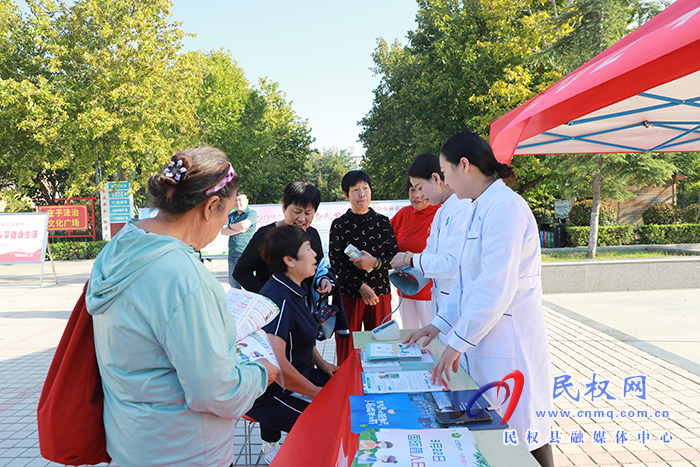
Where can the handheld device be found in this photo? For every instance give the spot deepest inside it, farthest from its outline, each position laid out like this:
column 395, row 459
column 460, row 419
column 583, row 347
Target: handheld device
column 388, row 331
column 461, row 417
column 352, row 251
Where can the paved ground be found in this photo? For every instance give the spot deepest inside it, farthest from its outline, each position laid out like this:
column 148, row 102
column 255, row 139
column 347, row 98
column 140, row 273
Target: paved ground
column 606, row 336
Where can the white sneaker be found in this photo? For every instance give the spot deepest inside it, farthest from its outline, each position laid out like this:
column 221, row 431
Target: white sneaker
column 269, row 450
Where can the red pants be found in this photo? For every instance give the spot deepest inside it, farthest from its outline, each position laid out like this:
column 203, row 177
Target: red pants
column 359, row 313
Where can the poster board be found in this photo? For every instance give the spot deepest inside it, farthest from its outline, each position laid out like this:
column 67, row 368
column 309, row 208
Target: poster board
column 23, row 238
column 117, row 205
column 66, row 216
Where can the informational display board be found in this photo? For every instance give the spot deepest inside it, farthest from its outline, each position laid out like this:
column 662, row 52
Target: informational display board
column 117, row 206
column 23, row 237
column 562, row 207
column 326, row 213
column 66, row 217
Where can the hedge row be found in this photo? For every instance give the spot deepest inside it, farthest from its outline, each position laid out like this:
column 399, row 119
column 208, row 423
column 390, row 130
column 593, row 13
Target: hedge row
column 623, row 234
column 76, row 250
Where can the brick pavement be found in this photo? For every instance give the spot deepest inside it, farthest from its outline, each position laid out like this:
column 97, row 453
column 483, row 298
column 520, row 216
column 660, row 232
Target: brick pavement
column 32, row 320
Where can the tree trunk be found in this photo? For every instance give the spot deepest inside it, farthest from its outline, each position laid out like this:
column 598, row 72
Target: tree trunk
column 595, row 209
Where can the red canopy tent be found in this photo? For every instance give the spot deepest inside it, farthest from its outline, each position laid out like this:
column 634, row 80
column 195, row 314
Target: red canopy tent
column 640, row 95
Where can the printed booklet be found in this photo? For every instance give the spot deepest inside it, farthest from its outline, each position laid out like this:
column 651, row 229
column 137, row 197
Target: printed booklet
column 385, row 382
column 426, row 362
column 453, row 447
column 254, row 346
column 385, row 351
column 415, row 411
column 250, row 310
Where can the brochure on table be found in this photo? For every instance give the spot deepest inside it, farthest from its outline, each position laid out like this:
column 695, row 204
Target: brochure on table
column 426, row 362
column 415, row 411
column 397, row 352
column 427, row 448
column 399, row 381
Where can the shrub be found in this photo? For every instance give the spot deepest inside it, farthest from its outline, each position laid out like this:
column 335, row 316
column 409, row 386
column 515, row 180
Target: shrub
column 609, row 235
column 581, row 214
column 661, row 214
column 76, row 250
column 691, row 214
column 543, row 215
column 677, row 233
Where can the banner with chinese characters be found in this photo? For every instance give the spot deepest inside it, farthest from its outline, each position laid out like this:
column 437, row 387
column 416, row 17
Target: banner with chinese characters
column 23, row 237
column 117, row 205
column 326, row 213
column 66, row 217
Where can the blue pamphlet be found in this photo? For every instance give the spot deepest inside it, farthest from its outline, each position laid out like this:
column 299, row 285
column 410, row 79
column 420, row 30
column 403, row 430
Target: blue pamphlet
column 414, row 411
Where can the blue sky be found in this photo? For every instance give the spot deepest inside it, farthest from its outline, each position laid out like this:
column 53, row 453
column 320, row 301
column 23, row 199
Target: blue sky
column 320, row 52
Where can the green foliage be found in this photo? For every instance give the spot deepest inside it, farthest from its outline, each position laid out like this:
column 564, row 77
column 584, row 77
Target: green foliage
column 573, row 174
column 663, row 234
column 688, row 189
column 463, row 67
column 661, row 214
column 540, row 195
column 326, row 169
column 543, row 215
column 580, row 214
column 266, row 141
column 622, row 234
column 691, row 214
column 94, row 92
column 75, row 250
column 591, row 27
column 619, row 234
column 15, row 202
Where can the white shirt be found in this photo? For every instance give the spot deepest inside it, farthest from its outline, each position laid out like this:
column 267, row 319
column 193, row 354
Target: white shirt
column 440, row 258
column 501, row 324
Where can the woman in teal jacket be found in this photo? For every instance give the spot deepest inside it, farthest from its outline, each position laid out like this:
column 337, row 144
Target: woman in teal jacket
column 165, row 341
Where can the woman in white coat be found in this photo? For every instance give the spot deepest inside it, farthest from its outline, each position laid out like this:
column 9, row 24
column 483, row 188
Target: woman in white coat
column 439, row 260
column 500, row 326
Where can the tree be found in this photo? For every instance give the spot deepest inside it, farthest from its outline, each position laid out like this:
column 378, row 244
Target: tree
column 326, row 169
column 688, row 163
column 91, row 92
column 266, row 141
column 593, row 26
column 606, row 176
column 465, row 65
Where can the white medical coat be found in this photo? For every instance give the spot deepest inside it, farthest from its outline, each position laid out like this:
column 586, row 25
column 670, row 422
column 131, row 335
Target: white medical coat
column 440, row 258
column 501, row 324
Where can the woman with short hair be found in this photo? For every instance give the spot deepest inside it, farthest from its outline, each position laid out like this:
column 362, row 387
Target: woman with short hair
column 363, row 278
column 288, row 253
column 300, row 201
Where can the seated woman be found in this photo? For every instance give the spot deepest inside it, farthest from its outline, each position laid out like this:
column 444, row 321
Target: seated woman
column 288, row 253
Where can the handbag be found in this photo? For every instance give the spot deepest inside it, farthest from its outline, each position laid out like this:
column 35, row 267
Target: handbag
column 324, row 313
column 69, row 415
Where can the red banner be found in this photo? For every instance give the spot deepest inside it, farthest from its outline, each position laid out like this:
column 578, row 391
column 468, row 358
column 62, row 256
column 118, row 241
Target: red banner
column 67, row 216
